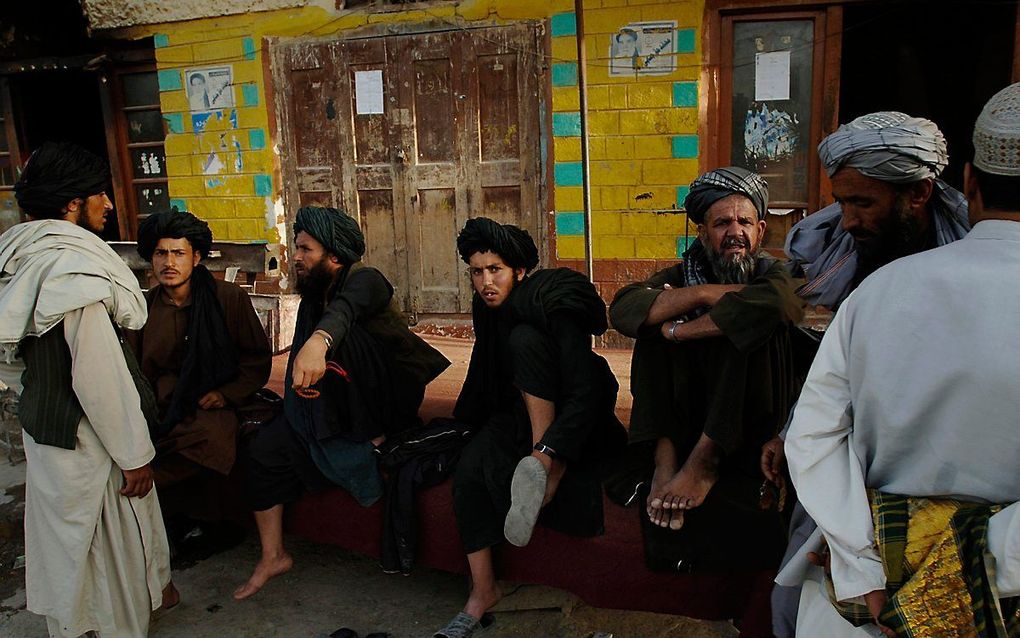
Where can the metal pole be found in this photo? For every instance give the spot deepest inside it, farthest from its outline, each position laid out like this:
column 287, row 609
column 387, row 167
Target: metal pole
column 582, row 90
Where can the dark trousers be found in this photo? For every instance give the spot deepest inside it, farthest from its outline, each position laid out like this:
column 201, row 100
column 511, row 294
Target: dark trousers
column 280, row 468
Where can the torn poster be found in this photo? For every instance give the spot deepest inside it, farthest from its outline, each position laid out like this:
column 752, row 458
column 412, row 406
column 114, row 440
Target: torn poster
column 368, row 91
column 643, row 48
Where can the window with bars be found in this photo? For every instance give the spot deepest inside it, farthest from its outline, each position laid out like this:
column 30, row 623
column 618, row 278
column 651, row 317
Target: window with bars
column 141, row 135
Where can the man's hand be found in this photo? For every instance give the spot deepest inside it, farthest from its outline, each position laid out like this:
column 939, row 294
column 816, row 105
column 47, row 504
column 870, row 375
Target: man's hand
column 137, row 482
column 876, row 601
column 714, row 292
column 773, row 459
column 310, row 363
column 212, row 400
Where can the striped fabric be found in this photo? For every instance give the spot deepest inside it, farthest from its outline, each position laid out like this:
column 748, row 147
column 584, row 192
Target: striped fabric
column 49, row 410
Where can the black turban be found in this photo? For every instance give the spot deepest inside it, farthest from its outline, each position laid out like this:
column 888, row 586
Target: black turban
column 57, row 173
column 175, row 225
column 513, row 244
column 337, row 231
column 723, row 182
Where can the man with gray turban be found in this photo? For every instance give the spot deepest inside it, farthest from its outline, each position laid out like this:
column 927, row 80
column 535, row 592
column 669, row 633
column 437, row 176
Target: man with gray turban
column 903, row 445
column 890, row 203
column 711, row 376
column 205, row 353
column 356, row 374
column 97, row 557
column 539, row 400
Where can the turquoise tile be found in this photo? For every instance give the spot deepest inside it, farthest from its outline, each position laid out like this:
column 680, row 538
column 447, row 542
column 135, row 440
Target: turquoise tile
column 570, row 224
column 250, row 94
column 567, row 174
column 567, row 124
column 179, row 204
column 685, row 146
column 564, row 74
column 683, row 242
column 169, row 80
column 564, row 24
column 256, row 139
column 174, row 122
column 685, row 94
column 160, row 40
column 249, row 48
column 685, row 40
column 263, row 185
column 681, row 195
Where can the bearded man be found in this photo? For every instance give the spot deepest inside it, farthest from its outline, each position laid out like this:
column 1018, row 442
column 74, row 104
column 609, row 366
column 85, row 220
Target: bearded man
column 205, row 353
column 356, row 374
column 711, row 372
column 97, row 556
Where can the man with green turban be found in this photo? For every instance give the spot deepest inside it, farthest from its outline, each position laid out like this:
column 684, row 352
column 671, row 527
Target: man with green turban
column 356, row 374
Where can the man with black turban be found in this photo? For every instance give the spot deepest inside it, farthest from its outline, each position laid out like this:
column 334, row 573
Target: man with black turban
column 712, row 375
column 541, row 404
column 98, row 560
column 205, row 353
column 356, row 374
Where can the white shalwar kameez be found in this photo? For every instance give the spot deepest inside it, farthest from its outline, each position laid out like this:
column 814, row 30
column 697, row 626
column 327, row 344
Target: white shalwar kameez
column 915, row 391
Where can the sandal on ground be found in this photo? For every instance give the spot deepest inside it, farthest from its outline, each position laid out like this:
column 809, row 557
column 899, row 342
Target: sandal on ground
column 527, row 491
column 463, row 625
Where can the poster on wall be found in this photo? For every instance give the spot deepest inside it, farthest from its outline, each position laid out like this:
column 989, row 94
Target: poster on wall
column 368, row 92
column 209, row 89
column 643, row 48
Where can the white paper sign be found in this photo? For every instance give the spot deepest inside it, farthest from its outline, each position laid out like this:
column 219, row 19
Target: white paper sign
column 772, row 76
column 368, row 91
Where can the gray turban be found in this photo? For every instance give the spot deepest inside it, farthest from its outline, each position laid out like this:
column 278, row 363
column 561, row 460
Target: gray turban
column 513, row 244
column 888, row 146
column 334, row 229
column 175, row 225
column 723, row 182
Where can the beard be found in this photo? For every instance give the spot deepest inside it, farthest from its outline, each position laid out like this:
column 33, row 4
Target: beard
column 732, row 269
column 897, row 237
column 315, row 282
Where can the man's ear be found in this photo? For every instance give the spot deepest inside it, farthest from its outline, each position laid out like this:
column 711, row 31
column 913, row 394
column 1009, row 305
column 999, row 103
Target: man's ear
column 196, row 256
column 334, row 259
column 920, row 193
column 73, row 206
column 972, row 191
column 519, row 274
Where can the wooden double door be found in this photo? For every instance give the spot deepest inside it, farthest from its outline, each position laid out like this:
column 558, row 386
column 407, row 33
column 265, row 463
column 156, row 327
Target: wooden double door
column 414, row 135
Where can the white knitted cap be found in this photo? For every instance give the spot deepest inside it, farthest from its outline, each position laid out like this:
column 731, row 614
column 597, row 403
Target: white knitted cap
column 997, row 134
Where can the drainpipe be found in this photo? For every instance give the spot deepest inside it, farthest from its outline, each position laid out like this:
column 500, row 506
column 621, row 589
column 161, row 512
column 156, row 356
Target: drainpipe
column 582, row 89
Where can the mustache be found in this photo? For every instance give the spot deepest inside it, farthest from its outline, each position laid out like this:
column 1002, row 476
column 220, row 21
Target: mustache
column 736, row 242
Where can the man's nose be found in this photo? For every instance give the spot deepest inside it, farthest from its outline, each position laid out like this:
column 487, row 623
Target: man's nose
column 107, row 204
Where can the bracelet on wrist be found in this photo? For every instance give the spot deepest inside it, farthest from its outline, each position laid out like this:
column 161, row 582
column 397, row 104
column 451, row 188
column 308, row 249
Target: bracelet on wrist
column 325, row 337
column 672, row 329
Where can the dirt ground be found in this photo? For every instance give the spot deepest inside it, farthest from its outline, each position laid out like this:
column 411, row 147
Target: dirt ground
column 331, row 588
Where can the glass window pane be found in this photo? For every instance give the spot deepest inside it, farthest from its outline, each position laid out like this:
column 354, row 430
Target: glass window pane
column 140, row 89
column 6, row 171
column 148, row 162
column 152, row 198
column 145, row 126
column 3, row 137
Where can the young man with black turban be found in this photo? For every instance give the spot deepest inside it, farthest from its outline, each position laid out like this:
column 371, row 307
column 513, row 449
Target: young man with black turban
column 712, row 371
column 205, row 353
column 356, row 374
column 97, row 557
column 541, row 401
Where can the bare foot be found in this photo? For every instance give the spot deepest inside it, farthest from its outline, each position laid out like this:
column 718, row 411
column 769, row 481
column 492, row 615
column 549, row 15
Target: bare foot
column 267, row 568
column 656, row 513
column 482, row 600
column 171, row 597
column 554, row 471
column 691, row 484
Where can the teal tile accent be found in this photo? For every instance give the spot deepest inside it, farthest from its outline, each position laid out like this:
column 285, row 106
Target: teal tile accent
column 685, row 146
column 567, row 174
column 160, row 40
column 682, row 243
column 685, row 94
column 256, row 139
column 250, row 94
column 567, row 124
column 564, row 24
column 569, row 223
column 564, row 74
column 681, row 195
column 248, row 46
column 263, row 185
column 685, row 40
column 174, row 122
column 180, row 204
column 169, row 80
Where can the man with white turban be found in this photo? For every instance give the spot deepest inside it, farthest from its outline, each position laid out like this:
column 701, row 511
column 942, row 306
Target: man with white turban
column 903, row 446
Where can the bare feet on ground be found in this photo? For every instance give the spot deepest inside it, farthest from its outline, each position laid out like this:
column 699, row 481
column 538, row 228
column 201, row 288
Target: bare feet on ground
column 656, row 513
column 170, row 596
column 689, row 487
column 482, row 600
column 267, row 568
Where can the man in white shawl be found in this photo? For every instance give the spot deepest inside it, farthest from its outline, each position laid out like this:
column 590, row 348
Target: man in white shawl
column 97, row 557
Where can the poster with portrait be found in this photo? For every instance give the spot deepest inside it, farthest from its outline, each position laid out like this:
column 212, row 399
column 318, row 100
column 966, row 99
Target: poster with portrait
column 210, row 88
column 643, row 48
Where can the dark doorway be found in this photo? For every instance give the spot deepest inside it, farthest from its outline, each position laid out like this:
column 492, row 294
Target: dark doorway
column 936, row 59
column 62, row 106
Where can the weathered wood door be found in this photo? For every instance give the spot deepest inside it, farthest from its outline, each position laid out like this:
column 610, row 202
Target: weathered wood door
column 458, row 137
